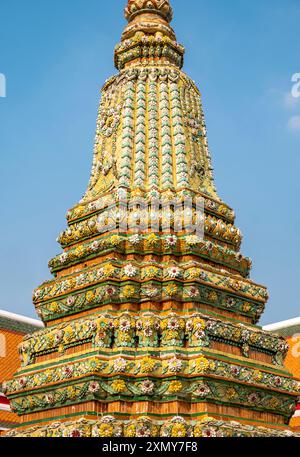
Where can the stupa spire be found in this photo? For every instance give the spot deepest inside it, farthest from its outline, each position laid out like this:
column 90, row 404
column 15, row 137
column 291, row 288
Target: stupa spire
column 136, row 8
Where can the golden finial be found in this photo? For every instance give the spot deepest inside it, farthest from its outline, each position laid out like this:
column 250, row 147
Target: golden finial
column 136, row 7
column 148, row 17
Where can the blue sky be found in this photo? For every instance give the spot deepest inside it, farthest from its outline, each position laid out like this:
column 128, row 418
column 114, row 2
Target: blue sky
column 57, row 54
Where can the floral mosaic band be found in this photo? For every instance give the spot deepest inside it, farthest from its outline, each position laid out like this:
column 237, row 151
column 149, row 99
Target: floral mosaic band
column 177, row 427
column 152, row 331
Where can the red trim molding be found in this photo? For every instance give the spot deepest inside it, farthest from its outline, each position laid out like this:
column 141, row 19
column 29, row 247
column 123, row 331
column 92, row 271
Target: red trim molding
column 4, row 403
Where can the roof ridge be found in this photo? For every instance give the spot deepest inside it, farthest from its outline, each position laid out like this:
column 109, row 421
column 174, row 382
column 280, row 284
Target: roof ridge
column 282, row 324
column 21, row 318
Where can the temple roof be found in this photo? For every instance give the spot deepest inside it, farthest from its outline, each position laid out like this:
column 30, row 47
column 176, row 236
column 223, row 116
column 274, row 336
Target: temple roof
column 17, row 323
column 286, row 328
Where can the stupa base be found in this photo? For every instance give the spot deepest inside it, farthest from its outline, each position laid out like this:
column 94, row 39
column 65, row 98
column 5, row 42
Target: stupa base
column 177, row 427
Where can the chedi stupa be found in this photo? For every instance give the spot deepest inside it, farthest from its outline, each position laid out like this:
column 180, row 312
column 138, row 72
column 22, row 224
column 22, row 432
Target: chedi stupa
column 151, row 333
